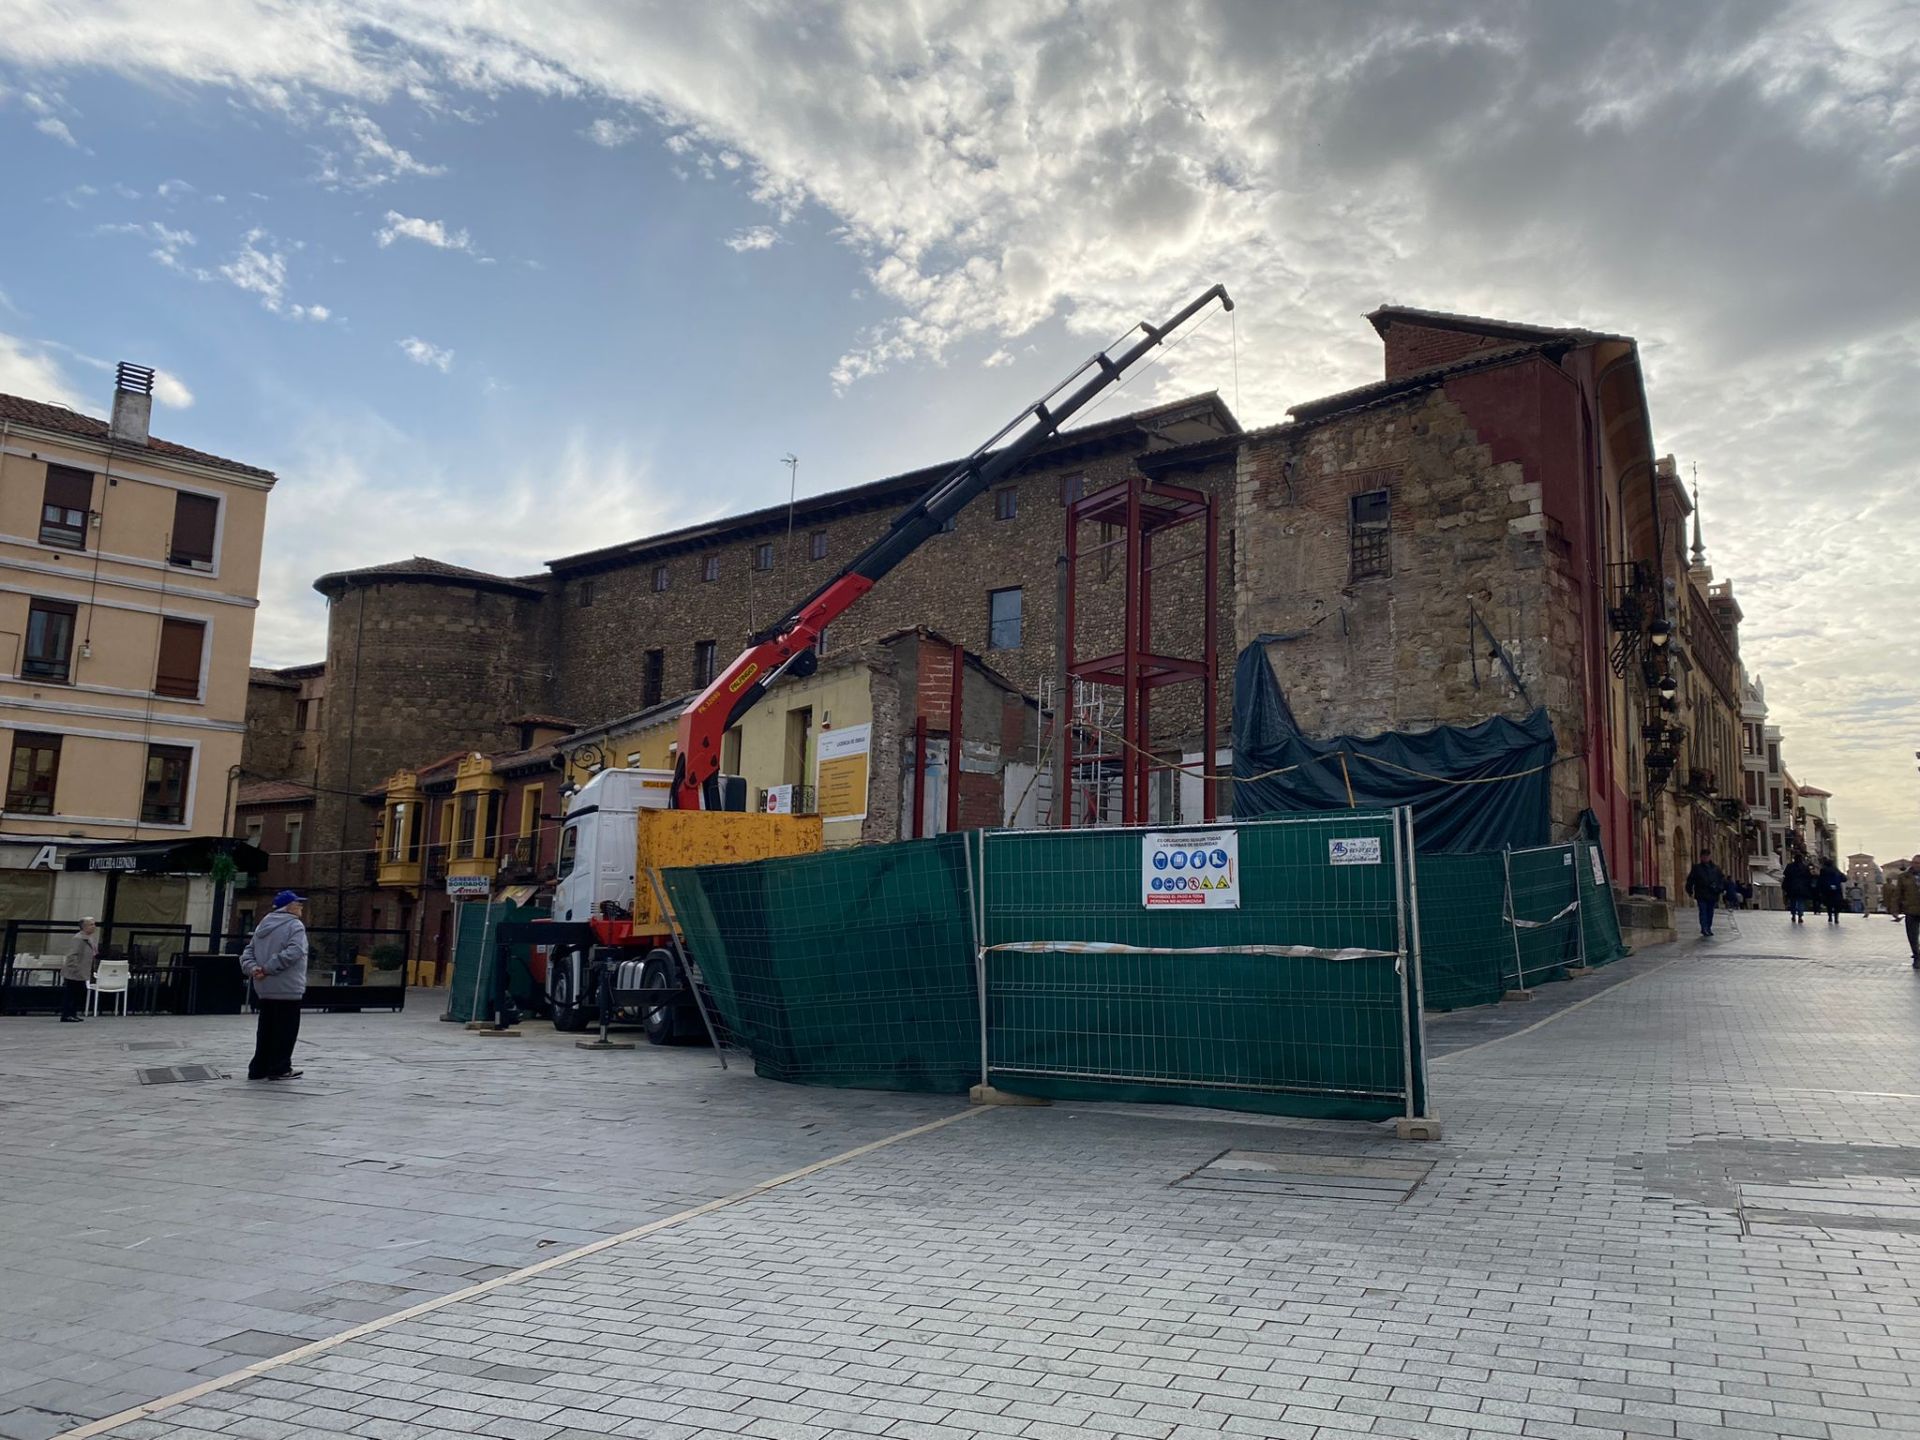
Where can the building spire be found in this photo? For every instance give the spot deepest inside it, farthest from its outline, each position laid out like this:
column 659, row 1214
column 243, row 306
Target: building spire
column 1699, row 546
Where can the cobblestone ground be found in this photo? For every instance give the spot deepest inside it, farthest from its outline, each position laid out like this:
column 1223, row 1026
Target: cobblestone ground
column 1688, row 1208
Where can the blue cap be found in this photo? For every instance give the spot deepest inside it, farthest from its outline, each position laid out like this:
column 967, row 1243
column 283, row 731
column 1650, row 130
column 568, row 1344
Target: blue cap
column 286, row 898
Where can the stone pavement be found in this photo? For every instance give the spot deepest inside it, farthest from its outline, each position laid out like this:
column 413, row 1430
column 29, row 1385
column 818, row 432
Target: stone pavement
column 1689, row 1208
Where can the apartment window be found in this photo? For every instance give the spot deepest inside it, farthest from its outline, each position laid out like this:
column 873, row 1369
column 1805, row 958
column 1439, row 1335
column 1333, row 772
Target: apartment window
column 660, row 579
column 1368, row 533
column 817, row 545
column 1003, row 619
column 1773, row 756
column 1072, row 487
column 702, row 663
column 195, row 517
column 490, row 836
column 463, row 846
column 653, row 677
column 296, row 827
column 165, row 800
column 530, row 811
column 178, row 674
column 49, row 652
column 64, row 506
column 586, row 594
column 710, row 568
column 255, row 827
column 34, row 773
column 1006, row 504
column 306, row 714
column 399, row 816
column 763, row 556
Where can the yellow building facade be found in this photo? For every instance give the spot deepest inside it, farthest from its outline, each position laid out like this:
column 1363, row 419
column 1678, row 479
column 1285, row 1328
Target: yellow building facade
column 129, row 577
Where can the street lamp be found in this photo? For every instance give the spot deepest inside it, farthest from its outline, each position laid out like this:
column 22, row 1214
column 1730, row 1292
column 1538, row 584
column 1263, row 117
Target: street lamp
column 1660, row 634
column 1668, row 687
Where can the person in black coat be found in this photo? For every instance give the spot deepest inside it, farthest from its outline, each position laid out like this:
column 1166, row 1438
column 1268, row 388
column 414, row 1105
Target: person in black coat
column 1832, row 888
column 1796, row 888
column 1706, row 883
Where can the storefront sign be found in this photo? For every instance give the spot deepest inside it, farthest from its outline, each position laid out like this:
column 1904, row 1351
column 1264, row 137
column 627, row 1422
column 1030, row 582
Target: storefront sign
column 841, row 767
column 1190, row 869
column 469, row 887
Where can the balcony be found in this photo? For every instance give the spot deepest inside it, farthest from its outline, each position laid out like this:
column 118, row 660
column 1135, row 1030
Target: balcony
column 436, row 867
column 399, row 874
column 520, row 862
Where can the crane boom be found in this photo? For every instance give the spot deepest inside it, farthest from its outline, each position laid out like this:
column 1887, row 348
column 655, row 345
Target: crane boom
column 787, row 645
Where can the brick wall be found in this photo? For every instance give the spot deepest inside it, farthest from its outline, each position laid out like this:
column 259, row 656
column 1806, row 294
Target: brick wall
column 267, row 752
column 1414, row 347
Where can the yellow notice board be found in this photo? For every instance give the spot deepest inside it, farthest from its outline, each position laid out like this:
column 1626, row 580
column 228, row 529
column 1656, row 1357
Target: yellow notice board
column 840, row 785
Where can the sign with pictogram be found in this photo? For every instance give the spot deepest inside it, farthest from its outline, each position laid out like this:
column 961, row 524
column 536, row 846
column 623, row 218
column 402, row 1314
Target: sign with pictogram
column 1190, row 869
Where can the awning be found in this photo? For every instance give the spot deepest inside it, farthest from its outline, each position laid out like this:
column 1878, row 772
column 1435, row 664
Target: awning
column 192, row 856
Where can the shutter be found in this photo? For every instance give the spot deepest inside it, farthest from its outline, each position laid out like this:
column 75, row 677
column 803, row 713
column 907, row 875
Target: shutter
column 194, row 517
column 181, row 642
column 70, row 489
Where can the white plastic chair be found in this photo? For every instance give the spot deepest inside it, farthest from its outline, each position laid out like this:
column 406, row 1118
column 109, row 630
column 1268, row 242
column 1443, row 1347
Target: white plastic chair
column 112, row 977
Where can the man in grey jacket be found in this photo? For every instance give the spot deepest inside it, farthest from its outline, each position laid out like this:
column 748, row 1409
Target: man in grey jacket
column 276, row 961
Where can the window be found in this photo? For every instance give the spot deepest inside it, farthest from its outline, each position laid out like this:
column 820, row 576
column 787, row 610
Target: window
column 703, row 663
column 569, row 848
column 254, row 828
column 660, row 579
column 1368, row 517
column 178, row 675
column 295, row 827
column 710, row 568
column 463, row 845
column 1003, row 619
column 1773, row 755
column 586, row 594
column 530, row 811
column 763, row 556
column 35, row 770
column 64, row 506
column 49, row 652
column 195, row 518
column 490, row 836
column 306, row 714
column 399, row 817
column 1006, row 503
column 817, row 545
column 653, row 677
column 1072, row 487
column 165, row 800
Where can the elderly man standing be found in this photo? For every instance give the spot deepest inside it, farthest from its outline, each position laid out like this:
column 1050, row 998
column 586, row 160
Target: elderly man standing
column 76, row 970
column 276, row 961
column 1906, row 901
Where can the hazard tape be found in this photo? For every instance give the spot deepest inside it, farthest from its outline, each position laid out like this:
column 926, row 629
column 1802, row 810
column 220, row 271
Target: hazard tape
column 1565, row 910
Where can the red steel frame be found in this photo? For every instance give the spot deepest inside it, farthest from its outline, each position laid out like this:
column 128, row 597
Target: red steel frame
column 1143, row 513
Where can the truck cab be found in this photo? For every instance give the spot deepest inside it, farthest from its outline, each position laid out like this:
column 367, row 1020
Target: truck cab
column 598, row 842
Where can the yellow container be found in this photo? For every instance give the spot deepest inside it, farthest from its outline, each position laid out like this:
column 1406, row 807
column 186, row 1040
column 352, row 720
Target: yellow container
column 670, row 838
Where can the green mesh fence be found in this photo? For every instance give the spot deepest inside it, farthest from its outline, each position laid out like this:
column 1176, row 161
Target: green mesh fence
column 850, row 968
column 1473, row 955
column 1291, row 1034
column 470, row 990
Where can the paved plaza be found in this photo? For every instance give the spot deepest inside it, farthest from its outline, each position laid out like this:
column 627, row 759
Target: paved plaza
column 1678, row 1199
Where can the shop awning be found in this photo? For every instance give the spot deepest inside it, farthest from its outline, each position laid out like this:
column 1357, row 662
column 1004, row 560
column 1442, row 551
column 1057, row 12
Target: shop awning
column 192, row 856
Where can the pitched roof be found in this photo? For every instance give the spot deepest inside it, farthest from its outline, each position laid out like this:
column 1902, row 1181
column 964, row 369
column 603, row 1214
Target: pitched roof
column 419, row 567
column 876, row 492
column 19, row 410
column 1381, row 391
column 1384, row 318
column 272, row 792
column 545, row 722
column 272, row 679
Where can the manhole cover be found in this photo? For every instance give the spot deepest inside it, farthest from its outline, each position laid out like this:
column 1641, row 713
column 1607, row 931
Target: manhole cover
column 1300, row 1175
column 175, row 1074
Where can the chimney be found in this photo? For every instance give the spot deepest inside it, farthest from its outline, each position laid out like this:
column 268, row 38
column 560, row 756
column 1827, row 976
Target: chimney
column 132, row 403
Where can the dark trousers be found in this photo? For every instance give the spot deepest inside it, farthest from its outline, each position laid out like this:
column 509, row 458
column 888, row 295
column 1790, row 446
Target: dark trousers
column 73, row 998
column 1913, row 937
column 1706, row 914
column 274, row 1038
column 1796, row 907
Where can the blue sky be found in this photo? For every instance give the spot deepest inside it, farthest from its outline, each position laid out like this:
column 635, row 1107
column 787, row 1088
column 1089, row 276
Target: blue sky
column 506, row 282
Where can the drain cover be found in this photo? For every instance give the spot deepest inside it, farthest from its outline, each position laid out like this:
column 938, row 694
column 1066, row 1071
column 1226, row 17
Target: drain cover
column 175, row 1074
column 1305, row 1176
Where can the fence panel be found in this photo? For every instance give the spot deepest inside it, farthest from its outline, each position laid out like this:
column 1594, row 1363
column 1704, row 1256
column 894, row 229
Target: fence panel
column 850, row 968
column 1295, row 1002
column 1542, row 914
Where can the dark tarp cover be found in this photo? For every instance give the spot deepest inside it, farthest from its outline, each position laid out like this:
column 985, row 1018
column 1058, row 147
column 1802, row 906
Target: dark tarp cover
column 1446, row 817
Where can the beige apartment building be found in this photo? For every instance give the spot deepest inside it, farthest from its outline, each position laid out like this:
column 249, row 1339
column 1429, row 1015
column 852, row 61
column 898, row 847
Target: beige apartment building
column 129, row 576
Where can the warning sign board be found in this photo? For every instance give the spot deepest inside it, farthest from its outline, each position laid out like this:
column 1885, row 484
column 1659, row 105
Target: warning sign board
column 841, row 764
column 1190, row 869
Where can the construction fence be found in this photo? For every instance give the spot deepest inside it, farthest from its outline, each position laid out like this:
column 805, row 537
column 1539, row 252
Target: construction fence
column 1271, row 965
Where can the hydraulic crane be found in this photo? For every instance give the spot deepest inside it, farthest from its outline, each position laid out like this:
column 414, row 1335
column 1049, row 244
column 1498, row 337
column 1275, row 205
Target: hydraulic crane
column 786, row 647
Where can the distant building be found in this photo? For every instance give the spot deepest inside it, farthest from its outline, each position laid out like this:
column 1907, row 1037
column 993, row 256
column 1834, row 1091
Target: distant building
column 131, row 571
column 1862, row 871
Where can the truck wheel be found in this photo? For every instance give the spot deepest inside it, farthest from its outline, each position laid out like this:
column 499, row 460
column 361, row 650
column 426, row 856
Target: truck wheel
column 660, row 1019
column 567, row 1016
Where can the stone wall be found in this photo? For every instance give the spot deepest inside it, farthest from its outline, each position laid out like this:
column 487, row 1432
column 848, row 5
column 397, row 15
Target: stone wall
column 267, row 752
column 1478, row 575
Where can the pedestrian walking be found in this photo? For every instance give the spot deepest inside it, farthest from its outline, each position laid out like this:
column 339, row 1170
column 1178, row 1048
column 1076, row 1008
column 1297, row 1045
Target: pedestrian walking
column 1832, row 888
column 1796, row 887
column 275, row 959
column 1906, row 904
column 1890, row 887
column 1705, row 884
column 76, row 970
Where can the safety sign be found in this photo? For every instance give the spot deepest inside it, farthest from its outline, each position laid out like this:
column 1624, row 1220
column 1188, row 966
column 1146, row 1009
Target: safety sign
column 1191, row 868
column 1364, row 851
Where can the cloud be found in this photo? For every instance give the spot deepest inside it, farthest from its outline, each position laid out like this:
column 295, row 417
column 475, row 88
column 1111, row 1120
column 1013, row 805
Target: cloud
column 259, row 267
column 611, row 133
column 427, row 232
column 168, row 244
column 310, row 312
column 424, row 352
column 757, row 237
column 28, row 368
column 171, row 391
column 999, row 357
column 57, row 128
column 369, row 159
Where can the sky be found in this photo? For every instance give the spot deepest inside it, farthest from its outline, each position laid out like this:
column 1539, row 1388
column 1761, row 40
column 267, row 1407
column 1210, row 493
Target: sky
column 502, row 281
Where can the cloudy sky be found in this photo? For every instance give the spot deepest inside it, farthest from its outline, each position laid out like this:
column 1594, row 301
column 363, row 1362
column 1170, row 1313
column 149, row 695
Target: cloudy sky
column 503, row 280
